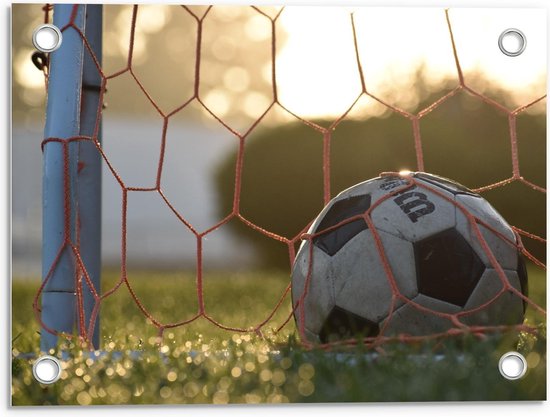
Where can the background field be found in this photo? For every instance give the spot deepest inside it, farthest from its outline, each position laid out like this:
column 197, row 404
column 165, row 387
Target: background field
column 202, row 364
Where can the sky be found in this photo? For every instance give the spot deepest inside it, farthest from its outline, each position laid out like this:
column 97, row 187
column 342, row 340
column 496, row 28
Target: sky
column 392, row 43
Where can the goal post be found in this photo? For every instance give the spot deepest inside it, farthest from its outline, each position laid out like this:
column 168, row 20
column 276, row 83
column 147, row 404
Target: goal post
column 71, row 192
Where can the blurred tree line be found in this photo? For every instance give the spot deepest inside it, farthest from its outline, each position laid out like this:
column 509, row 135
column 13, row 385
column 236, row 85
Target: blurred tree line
column 463, row 139
column 235, row 45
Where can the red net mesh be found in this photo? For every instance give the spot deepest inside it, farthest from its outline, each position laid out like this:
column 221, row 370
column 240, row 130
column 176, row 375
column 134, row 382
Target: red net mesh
column 458, row 327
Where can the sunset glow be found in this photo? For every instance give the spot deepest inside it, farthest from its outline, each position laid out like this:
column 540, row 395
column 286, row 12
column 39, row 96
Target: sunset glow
column 317, row 69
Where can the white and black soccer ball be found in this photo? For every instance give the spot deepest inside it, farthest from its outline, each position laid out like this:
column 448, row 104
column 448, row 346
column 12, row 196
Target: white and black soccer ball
column 436, row 259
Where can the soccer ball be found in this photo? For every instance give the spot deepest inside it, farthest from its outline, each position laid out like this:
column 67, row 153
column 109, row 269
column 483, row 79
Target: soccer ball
column 410, row 253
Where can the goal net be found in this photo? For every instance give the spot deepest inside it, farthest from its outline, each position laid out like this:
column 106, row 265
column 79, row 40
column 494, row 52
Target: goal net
column 227, row 92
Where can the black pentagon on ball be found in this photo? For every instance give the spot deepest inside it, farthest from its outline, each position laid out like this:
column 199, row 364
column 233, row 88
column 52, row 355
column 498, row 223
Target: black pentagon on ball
column 342, row 324
column 332, row 241
column 445, row 183
column 447, row 268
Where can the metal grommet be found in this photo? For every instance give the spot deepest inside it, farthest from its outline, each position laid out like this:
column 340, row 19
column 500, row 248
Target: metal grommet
column 512, row 42
column 46, row 369
column 512, row 365
column 47, row 38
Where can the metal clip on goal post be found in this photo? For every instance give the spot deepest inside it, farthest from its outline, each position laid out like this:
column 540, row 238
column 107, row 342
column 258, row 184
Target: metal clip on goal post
column 71, row 192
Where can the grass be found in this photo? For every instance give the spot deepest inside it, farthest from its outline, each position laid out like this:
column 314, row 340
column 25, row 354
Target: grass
column 200, row 363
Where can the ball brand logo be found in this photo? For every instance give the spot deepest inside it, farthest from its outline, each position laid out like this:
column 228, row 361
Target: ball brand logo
column 391, row 183
column 414, row 204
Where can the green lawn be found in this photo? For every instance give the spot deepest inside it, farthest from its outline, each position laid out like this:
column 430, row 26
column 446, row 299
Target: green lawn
column 200, row 363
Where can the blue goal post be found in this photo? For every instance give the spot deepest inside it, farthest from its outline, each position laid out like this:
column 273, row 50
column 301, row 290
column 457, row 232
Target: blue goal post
column 73, row 99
